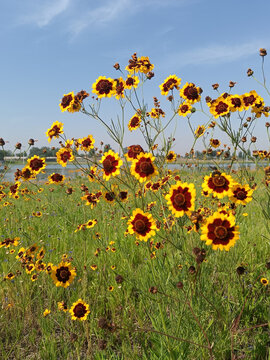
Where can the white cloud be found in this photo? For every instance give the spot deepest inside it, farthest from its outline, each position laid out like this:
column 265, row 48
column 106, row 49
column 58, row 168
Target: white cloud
column 113, row 10
column 213, row 54
column 45, row 11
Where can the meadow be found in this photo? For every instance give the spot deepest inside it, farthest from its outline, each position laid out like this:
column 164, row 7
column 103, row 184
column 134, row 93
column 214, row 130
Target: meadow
column 131, row 259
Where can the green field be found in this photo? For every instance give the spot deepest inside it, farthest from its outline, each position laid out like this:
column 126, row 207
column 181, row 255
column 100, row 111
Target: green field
column 171, row 297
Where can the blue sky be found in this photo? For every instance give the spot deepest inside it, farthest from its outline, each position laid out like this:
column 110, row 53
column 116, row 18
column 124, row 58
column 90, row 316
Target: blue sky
column 51, row 47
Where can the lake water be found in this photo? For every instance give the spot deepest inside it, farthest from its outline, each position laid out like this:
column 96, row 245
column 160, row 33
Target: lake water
column 72, row 171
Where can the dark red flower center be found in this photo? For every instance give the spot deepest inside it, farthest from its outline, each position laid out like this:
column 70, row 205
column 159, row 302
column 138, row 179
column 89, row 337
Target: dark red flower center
column 191, row 92
column 221, row 107
column 146, row 167
column 107, row 165
column 79, row 310
column 63, row 274
column 249, row 100
column 240, row 194
column 179, row 199
column 66, row 100
column 184, row 108
column 236, row 102
column 104, row 86
column 221, row 232
column 65, row 156
column 170, row 84
column 87, row 142
column 36, row 164
column 139, row 225
column 57, row 177
column 135, row 121
column 219, row 180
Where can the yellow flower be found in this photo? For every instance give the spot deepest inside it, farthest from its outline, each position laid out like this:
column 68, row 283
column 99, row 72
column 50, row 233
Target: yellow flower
column 220, row 231
column 200, row 131
column 64, row 155
column 63, row 274
column 143, row 167
column 86, row 143
column 181, row 198
column 134, row 122
column 172, row 82
column 104, row 87
column 46, row 312
column 67, row 101
column 111, row 163
column 79, row 310
column 54, row 130
column 142, row 225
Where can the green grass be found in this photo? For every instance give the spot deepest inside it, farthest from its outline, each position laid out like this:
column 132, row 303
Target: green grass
column 131, row 322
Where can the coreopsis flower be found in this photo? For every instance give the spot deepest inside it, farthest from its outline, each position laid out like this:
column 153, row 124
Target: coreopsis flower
column 264, row 281
column 235, row 103
column 240, row 194
column 156, row 113
column 143, row 167
column 90, row 223
column 111, row 164
column 104, row 87
column 109, row 196
column 63, row 274
column 142, row 225
column 62, row 306
column 55, row 130
column 250, row 99
column 171, row 157
column 220, row 231
column 86, row 143
column 119, row 88
column 218, row 184
column 92, row 173
column 27, row 174
column 36, row 164
column 67, row 101
column 184, row 109
column 91, row 199
column 9, row 242
column 56, row 178
column 172, row 82
column 144, row 64
column 133, row 152
column 219, row 107
column 181, row 198
column 199, row 131
column 190, row 93
column 134, row 122
column 64, row 155
column 79, row 310
column 13, row 189
column 123, row 196
column 46, row 312
column 215, row 143
column 132, row 82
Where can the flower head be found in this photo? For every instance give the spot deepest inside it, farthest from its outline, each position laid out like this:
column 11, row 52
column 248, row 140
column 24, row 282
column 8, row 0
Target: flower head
column 111, row 163
column 142, row 225
column 218, row 184
column 104, row 87
column 172, row 82
column 220, row 231
column 143, row 167
column 134, row 122
column 63, row 274
column 79, row 310
column 181, row 198
column 190, row 93
column 67, row 101
column 55, row 130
